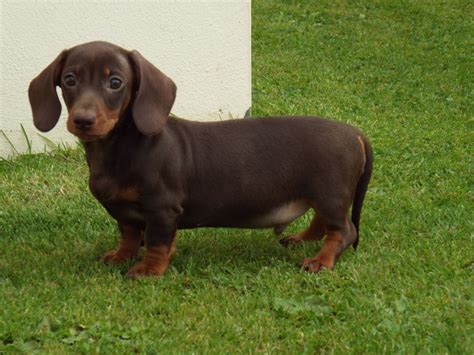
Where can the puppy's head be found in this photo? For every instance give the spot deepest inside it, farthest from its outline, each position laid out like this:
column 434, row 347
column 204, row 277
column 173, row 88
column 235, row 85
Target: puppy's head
column 99, row 81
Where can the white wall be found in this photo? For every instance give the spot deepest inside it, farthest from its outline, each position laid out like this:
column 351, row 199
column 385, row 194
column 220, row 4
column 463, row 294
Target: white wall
column 204, row 46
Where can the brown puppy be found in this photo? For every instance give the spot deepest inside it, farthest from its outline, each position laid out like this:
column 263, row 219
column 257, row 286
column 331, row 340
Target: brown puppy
column 155, row 174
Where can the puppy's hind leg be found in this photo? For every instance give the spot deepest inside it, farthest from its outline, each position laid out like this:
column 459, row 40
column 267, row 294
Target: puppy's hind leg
column 316, row 231
column 340, row 235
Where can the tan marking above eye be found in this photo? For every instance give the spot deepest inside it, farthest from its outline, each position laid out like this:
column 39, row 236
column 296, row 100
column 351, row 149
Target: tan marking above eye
column 106, row 71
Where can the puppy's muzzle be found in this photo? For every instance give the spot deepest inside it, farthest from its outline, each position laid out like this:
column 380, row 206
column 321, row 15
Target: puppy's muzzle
column 84, row 120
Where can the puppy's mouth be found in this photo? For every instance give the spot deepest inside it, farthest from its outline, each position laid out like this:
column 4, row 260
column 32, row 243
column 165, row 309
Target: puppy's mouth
column 95, row 132
column 89, row 135
column 85, row 137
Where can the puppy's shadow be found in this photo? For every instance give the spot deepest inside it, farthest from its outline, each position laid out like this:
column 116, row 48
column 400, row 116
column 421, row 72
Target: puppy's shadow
column 201, row 249
column 245, row 249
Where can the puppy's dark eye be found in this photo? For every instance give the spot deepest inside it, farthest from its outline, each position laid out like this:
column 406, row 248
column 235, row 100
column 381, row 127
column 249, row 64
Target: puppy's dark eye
column 115, row 83
column 69, row 80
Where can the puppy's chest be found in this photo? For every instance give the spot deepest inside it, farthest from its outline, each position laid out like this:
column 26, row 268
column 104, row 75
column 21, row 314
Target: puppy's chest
column 109, row 190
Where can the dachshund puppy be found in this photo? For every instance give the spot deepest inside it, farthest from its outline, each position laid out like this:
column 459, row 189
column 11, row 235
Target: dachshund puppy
column 156, row 174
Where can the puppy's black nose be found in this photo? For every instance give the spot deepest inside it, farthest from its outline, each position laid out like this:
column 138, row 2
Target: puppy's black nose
column 84, row 121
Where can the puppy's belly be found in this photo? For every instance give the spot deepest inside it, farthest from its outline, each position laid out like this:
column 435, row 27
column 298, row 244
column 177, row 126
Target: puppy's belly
column 243, row 216
column 278, row 216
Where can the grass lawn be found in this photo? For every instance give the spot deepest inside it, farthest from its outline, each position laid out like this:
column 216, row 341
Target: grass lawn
column 401, row 71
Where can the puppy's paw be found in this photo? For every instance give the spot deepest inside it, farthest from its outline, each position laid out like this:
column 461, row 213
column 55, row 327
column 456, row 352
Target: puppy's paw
column 117, row 256
column 291, row 240
column 314, row 265
column 143, row 269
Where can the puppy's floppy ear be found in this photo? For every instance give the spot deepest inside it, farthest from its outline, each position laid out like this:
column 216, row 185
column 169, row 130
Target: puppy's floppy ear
column 44, row 100
column 155, row 95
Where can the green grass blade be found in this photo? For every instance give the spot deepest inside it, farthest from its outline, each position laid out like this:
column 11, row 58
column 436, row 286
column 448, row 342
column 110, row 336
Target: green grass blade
column 9, row 141
column 28, row 141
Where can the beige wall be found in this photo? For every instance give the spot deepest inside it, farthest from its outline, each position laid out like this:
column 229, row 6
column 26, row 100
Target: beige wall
column 204, row 46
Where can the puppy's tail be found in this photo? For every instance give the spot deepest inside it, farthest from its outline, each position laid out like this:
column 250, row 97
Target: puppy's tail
column 361, row 189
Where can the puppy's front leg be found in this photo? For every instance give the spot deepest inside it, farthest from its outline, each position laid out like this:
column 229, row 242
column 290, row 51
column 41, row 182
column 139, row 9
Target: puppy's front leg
column 160, row 248
column 130, row 240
